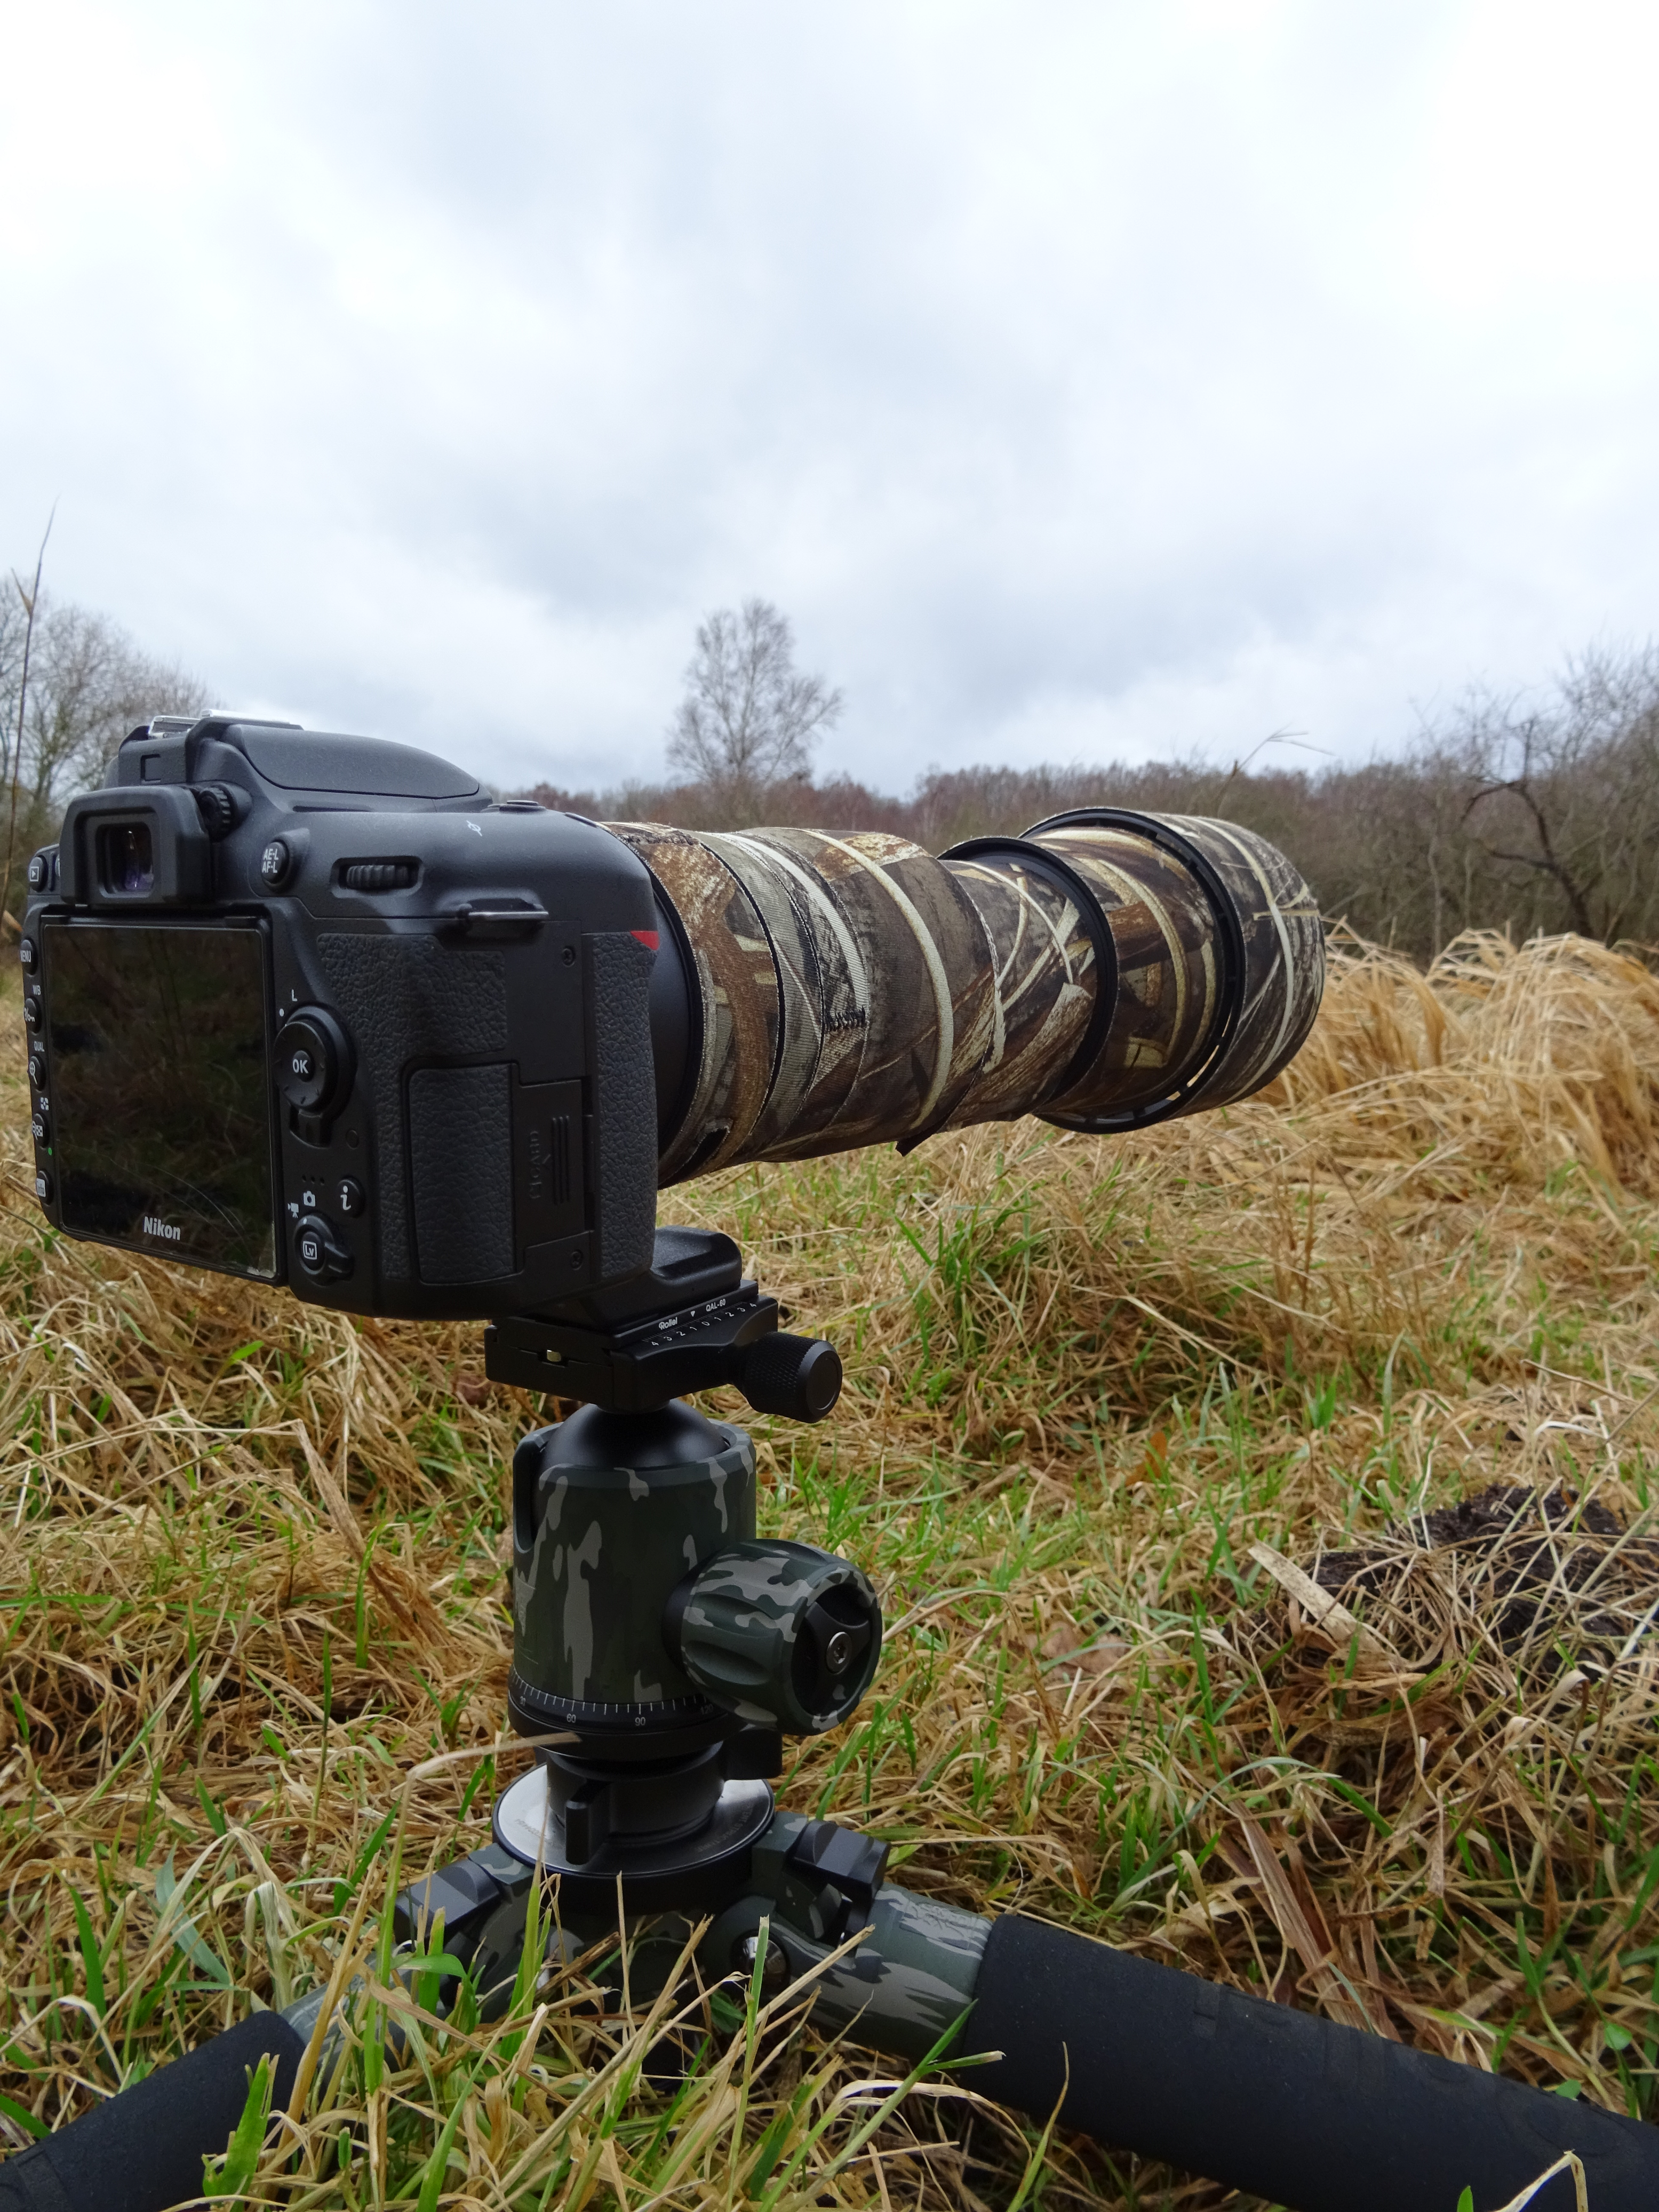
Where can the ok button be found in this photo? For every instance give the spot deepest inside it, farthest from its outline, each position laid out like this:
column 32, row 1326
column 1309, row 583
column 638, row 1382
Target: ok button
column 312, row 1060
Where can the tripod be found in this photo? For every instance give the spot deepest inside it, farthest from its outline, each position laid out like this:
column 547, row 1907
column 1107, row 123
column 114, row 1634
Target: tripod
column 669, row 1650
column 675, row 1651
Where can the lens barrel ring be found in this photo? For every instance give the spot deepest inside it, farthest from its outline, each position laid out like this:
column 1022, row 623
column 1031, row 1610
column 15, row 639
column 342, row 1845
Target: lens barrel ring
column 1061, row 873
column 1229, row 935
column 733, row 996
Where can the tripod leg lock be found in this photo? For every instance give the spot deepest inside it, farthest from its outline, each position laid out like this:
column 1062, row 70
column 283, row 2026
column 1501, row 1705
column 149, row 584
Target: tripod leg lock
column 467, row 1893
column 849, row 1868
column 907, row 1983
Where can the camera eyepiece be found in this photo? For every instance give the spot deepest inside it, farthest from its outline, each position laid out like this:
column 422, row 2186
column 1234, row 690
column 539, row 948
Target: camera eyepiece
column 126, row 859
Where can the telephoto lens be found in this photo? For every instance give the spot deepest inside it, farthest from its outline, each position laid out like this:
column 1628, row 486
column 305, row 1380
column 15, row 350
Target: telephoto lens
column 1108, row 970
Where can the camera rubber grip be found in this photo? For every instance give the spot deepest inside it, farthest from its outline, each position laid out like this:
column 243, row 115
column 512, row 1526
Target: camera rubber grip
column 1293, row 2108
column 622, row 1075
column 143, row 2149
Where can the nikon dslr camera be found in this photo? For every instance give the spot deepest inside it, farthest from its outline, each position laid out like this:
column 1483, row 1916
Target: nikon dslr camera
column 314, row 1009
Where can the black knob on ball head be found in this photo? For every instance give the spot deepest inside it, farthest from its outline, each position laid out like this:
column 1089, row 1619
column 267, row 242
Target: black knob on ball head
column 798, row 1376
column 780, row 1633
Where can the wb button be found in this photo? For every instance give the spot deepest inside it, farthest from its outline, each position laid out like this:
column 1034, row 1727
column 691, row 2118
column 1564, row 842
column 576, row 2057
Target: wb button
column 319, row 1251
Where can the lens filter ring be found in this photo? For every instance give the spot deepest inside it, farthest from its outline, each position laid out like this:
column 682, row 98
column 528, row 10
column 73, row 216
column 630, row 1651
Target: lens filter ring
column 1230, row 938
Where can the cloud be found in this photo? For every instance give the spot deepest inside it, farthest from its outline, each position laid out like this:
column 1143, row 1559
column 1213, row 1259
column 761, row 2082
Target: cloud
column 1092, row 380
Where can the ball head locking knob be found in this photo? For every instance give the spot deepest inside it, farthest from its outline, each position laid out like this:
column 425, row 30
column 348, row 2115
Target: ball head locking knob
column 779, row 1633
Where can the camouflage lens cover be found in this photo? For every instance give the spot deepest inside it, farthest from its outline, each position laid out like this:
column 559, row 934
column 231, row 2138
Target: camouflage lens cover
column 1108, row 970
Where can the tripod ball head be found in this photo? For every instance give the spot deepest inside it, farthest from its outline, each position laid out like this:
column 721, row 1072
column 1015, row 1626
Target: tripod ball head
column 780, row 1634
column 668, row 1648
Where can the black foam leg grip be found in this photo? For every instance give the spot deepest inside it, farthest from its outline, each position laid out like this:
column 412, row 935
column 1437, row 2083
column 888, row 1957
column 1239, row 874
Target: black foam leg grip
column 1312, row 2116
column 142, row 2150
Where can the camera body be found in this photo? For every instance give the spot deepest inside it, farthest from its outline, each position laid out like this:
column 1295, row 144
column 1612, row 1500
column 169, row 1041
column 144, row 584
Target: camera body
column 314, row 1010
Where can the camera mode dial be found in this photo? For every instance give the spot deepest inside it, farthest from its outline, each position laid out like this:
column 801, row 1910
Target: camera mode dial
column 313, row 1062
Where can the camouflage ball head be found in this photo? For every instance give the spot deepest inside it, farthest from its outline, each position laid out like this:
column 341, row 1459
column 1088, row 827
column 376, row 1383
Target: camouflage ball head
column 648, row 1617
column 608, row 1512
column 782, row 1634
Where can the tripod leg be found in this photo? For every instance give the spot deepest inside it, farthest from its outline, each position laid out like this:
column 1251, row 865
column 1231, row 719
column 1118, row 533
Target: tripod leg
column 1146, row 2058
column 143, row 2148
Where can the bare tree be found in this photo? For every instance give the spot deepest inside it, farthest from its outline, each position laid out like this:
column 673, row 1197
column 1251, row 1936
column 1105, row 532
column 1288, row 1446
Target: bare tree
column 86, row 685
column 29, row 600
column 750, row 718
column 1563, row 798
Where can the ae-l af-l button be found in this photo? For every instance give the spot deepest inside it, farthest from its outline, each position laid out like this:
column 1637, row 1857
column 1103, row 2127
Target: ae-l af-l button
column 319, row 1249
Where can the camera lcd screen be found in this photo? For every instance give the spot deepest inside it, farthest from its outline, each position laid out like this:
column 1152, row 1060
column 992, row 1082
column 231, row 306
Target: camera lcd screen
column 159, row 1102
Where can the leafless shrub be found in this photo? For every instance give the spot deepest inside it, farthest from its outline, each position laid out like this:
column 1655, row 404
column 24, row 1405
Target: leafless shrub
column 87, row 685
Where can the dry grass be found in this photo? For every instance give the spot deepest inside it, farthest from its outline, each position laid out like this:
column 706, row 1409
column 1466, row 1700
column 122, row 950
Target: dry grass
column 252, row 1574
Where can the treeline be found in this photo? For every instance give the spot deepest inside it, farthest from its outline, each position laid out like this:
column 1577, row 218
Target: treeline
column 1529, row 817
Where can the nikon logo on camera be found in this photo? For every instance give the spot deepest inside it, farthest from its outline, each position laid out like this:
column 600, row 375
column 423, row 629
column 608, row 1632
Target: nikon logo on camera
column 152, row 1227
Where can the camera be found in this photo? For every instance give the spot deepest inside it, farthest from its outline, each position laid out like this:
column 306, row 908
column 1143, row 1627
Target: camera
column 312, row 1009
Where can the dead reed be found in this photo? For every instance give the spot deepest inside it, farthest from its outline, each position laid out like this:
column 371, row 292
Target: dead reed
column 251, row 1574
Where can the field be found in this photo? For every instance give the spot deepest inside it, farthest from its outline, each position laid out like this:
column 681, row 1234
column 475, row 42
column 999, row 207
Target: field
column 253, row 1598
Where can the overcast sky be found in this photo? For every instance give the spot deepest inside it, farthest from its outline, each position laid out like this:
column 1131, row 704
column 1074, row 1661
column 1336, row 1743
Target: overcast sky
column 1084, row 380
